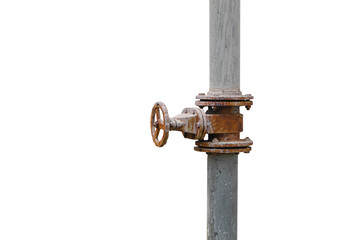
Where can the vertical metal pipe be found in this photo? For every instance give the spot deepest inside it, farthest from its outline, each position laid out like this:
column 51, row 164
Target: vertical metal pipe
column 222, row 197
column 224, row 79
column 224, row 46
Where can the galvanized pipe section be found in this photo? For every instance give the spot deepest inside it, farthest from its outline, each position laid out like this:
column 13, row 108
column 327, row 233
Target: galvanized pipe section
column 224, row 79
column 224, row 46
column 222, row 197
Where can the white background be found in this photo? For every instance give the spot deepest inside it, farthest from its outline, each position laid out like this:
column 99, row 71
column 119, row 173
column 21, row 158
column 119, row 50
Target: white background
column 78, row 80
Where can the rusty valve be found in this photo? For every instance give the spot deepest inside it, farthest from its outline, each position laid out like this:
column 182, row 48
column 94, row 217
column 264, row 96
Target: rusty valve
column 222, row 121
column 191, row 122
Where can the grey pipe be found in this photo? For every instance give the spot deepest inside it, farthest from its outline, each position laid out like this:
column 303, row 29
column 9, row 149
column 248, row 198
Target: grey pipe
column 224, row 46
column 222, row 196
column 224, row 79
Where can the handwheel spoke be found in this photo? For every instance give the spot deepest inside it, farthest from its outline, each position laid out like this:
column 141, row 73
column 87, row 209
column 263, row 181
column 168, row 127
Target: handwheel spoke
column 157, row 131
column 157, row 114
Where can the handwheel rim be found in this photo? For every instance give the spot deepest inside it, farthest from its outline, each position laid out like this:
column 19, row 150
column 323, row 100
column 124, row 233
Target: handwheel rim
column 165, row 126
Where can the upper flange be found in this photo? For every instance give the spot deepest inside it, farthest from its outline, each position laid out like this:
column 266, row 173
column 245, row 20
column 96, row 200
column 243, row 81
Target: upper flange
column 224, row 100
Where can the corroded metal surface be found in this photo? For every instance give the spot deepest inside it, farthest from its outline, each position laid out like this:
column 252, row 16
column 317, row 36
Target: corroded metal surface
column 195, row 125
column 203, row 96
column 159, row 122
column 224, row 100
column 214, row 146
column 224, row 123
column 191, row 122
column 247, row 104
column 225, row 144
column 222, row 150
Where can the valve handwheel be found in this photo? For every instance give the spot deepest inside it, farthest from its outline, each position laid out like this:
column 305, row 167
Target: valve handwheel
column 159, row 122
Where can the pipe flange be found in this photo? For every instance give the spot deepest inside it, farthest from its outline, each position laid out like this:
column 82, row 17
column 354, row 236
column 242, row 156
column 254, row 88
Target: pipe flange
column 222, row 150
column 225, row 144
column 224, row 100
column 209, row 97
column 235, row 146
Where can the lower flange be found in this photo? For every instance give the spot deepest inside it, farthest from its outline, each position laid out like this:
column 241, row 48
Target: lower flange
column 237, row 146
